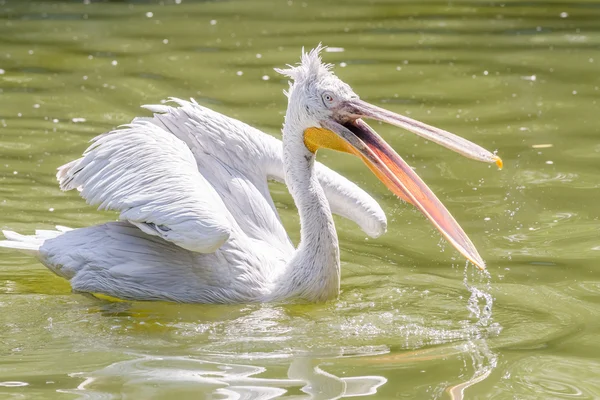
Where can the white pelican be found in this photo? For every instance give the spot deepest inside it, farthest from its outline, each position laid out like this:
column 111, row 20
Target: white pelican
column 197, row 222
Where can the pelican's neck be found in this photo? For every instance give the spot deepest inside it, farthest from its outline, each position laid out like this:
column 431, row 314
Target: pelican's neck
column 314, row 271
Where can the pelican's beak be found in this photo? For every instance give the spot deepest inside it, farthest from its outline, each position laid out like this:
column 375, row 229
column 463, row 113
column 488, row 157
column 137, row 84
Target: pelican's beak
column 356, row 137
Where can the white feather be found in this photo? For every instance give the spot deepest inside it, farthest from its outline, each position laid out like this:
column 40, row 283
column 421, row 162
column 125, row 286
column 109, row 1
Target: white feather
column 151, row 177
column 29, row 244
column 260, row 157
column 198, row 222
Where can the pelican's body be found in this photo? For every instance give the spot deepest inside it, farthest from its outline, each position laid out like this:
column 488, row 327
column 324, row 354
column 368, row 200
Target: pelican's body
column 197, row 221
column 205, row 177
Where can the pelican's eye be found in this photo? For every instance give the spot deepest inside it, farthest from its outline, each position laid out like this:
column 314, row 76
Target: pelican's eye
column 328, row 99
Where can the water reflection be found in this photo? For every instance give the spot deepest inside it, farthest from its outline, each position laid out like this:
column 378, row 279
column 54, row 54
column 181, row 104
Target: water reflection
column 154, row 376
column 306, row 378
column 270, row 351
column 483, row 363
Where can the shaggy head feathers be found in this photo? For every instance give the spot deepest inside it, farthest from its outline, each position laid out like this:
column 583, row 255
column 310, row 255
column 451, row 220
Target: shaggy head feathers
column 310, row 68
column 311, row 79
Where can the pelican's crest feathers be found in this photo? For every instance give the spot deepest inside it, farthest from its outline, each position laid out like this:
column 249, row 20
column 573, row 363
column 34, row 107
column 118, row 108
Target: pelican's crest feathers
column 311, row 67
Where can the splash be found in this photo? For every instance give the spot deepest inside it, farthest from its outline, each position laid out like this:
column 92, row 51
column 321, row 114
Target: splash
column 480, row 304
column 481, row 301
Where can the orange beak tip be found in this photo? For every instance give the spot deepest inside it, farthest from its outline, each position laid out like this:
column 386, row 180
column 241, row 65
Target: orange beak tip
column 498, row 162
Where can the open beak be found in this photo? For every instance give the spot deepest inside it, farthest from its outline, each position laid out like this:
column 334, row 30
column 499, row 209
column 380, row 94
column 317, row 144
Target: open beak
column 361, row 140
column 361, row 109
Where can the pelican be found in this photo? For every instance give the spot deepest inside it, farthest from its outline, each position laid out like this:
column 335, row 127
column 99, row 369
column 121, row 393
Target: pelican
column 197, row 223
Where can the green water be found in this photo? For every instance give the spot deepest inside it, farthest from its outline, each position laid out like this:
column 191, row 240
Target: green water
column 412, row 321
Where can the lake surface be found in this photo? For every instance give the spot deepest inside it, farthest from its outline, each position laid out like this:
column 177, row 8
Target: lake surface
column 413, row 321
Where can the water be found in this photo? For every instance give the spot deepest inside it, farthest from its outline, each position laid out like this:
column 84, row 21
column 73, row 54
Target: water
column 412, row 321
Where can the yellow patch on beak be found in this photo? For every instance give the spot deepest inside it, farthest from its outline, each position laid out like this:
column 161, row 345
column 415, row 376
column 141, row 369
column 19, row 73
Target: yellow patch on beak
column 317, row 138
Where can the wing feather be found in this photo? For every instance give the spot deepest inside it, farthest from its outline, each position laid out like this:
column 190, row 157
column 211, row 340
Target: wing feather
column 188, row 174
column 260, row 157
column 232, row 157
column 152, row 179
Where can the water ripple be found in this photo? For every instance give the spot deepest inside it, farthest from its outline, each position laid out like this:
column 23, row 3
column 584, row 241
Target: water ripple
column 552, row 377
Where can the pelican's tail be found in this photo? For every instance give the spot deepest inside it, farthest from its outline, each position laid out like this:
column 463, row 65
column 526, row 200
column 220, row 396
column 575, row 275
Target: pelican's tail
column 30, row 244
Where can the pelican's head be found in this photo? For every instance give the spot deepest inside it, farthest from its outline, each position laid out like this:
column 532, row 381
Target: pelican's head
column 330, row 115
column 315, row 94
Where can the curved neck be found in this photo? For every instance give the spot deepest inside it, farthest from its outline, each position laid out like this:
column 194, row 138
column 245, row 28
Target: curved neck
column 313, row 273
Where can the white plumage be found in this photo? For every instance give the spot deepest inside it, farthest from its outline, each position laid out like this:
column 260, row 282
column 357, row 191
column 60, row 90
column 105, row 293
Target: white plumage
column 197, row 179
column 197, row 220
